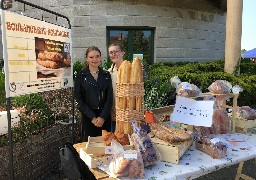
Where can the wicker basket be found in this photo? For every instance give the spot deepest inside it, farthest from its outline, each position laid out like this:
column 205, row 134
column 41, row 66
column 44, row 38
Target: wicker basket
column 129, row 105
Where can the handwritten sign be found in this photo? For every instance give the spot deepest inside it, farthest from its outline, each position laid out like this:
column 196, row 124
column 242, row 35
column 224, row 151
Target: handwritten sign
column 193, row 112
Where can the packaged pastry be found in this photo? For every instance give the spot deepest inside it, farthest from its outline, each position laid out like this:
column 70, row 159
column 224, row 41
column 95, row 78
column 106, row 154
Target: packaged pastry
column 220, row 87
column 127, row 164
column 169, row 134
column 185, row 89
column 221, row 121
column 214, row 147
column 149, row 152
column 246, row 112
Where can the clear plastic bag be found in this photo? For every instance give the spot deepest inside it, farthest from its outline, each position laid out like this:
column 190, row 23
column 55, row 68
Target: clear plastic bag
column 127, row 163
column 185, row 89
column 220, row 87
column 149, row 152
column 246, row 112
column 221, row 121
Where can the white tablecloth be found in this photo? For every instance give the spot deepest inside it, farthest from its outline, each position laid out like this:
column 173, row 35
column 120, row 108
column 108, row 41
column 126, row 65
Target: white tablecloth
column 194, row 163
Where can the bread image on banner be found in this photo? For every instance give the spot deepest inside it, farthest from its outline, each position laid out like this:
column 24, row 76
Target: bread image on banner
column 53, row 60
column 50, row 54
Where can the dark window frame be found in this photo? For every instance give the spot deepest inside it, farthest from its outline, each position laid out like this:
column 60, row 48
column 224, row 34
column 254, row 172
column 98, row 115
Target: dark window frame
column 130, row 40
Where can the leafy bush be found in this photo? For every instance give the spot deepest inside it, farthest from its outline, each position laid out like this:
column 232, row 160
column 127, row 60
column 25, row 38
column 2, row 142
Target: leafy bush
column 202, row 75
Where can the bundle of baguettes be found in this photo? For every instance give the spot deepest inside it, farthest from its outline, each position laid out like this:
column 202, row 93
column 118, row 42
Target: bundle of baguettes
column 129, row 74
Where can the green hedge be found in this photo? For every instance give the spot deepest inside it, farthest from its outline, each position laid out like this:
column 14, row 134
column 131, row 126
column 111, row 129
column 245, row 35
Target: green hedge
column 203, row 74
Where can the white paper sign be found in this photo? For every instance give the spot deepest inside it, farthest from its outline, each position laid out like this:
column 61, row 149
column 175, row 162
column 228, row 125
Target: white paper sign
column 193, row 112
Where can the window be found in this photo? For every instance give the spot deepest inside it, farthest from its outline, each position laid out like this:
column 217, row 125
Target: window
column 136, row 41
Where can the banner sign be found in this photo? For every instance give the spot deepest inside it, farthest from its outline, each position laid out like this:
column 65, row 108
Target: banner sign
column 37, row 55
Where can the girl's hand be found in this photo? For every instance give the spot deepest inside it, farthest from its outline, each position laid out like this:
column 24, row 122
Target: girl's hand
column 100, row 122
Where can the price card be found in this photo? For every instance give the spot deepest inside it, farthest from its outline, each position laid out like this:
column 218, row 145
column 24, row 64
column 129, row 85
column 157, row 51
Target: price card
column 130, row 156
column 109, row 150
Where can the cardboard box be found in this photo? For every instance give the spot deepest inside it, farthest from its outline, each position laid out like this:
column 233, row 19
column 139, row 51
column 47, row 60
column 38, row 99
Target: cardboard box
column 171, row 153
column 94, row 161
column 96, row 145
column 15, row 119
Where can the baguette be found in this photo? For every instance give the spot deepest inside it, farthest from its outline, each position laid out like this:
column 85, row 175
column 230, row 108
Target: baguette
column 137, row 77
column 136, row 74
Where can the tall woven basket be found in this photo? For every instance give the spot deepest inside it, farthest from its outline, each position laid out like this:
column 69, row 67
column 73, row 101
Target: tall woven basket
column 129, row 105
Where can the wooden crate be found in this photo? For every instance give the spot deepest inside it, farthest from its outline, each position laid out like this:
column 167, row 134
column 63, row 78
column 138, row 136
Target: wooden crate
column 242, row 124
column 171, row 153
column 93, row 160
column 96, row 145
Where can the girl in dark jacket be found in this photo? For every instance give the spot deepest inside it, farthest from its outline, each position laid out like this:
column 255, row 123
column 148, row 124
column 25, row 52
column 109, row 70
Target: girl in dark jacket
column 94, row 95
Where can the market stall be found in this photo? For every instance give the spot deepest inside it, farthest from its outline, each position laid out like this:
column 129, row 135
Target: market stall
column 194, row 137
column 194, row 163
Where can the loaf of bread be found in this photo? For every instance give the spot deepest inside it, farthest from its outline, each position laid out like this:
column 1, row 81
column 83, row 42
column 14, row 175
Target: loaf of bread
column 124, row 166
column 169, row 134
column 186, row 89
column 220, row 87
column 149, row 152
column 211, row 146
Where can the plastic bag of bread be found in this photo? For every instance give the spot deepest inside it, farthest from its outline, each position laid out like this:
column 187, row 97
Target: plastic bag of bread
column 246, row 112
column 221, row 121
column 185, row 89
column 149, row 152
column 214, row 147
column 169, row 134
column 220, row 87
column 127, row 164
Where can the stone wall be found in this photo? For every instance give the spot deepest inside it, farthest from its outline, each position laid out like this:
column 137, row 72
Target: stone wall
column 191, row 30
column 36, row 156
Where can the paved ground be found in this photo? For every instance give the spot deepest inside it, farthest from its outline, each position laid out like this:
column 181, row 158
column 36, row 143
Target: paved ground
column 228, row 173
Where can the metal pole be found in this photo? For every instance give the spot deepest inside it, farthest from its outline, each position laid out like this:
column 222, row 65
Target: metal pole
column 73, row 114
column 8, row 103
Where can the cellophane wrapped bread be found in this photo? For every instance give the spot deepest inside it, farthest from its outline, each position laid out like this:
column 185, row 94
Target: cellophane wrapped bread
column 220, row 87
column 149, row 152
column 185, row 89
column 127, row 164
column 169, row 134
column 246, row 112
column 221, row 121
column 214, row 147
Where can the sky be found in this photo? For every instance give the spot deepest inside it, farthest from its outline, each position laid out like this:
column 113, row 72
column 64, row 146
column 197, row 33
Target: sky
column 248, row 40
